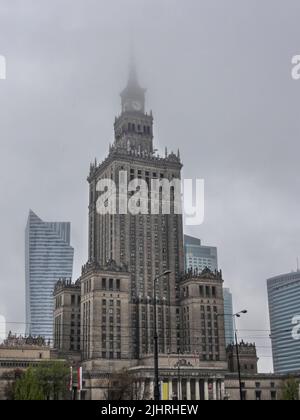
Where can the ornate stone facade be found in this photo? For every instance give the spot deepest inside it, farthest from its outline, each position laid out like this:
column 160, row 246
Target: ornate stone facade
column 146, row 244
column 126, row 253
column 202, row 309
column 247, row 355
column 67, row 323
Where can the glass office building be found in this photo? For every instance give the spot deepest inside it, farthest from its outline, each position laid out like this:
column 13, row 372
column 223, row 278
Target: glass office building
column 284, row 308
column 197, row 256
column 48, row 257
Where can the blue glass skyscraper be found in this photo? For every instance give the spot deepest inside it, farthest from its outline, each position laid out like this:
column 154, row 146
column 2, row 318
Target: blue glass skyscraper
column 48, row 257
column 197, row 256
column 284, row 307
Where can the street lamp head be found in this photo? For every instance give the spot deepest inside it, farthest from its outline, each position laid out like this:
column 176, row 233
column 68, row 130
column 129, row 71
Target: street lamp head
column 167, row 273
column 244, row 311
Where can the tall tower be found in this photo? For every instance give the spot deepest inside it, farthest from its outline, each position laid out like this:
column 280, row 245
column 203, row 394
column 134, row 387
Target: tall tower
column 147, row 244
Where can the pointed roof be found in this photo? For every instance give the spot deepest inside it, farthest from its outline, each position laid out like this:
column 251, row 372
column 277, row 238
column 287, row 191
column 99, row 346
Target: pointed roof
column 133, row 86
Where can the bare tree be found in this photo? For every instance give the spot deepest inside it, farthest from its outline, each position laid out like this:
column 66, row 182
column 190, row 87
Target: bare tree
column 123, row 385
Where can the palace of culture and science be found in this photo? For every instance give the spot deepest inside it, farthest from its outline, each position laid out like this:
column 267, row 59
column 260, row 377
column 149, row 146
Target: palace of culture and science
column 107, row 316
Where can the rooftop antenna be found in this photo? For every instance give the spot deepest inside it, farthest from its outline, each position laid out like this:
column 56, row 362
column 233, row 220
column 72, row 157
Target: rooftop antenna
column 298, row 265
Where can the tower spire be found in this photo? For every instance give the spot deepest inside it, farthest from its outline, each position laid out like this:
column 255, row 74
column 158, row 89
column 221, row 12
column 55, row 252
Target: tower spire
column 133, row 96
column 133, row 78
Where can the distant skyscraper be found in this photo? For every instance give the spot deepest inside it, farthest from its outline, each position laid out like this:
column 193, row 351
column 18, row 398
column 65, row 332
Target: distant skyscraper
column 2, row 329
column 198, row 256
column 284, row 307
column 228, row 309
column 48, row 257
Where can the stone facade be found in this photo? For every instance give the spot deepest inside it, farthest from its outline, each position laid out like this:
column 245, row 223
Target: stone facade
column 105, row 313
column 126, row 254
column 67, row 327
column 268, row 387
column 202, row 309
column 247, row 355
column 147, row 244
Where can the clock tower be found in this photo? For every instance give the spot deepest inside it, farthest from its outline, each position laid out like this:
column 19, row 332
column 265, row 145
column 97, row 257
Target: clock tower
column 145, row 245
column 134, row 127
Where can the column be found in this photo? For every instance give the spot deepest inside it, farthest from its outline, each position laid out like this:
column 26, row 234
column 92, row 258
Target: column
column 197, row 389
column 170, row 389
column 179, row 389
column 214, row 390
column 142, row 390
column 161, row 389
column 222, row 390
column 206, row 394
column 218, row 390
column 151, row 390
column 188, row 389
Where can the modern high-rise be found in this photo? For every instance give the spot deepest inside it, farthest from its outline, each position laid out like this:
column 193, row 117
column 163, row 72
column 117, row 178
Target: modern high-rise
column 284, row 308
column 198, row 256
column 228, row 317
column 48, row 257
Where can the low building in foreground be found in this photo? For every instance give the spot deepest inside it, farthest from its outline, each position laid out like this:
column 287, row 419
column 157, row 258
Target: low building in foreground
column 268, row 387
column 18, row 354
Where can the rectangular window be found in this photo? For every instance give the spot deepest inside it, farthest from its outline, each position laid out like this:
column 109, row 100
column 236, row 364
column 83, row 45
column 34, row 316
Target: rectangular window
column 273, row 395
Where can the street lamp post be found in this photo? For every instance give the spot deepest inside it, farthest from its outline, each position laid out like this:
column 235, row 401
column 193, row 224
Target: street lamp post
column 238, row 315
column 238, row 365
column 179, row 390
column 156, row 373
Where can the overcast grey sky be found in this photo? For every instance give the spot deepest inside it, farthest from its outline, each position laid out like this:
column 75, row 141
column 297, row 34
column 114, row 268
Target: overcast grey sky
column 219, row 83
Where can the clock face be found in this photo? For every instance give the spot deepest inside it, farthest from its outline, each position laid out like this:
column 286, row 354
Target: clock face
column 137, row 106
column 126, row 106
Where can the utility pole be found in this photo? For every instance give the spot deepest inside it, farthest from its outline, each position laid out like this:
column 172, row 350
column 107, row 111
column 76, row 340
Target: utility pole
column 238, row 366
column 237, row 315
column 156, row 372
